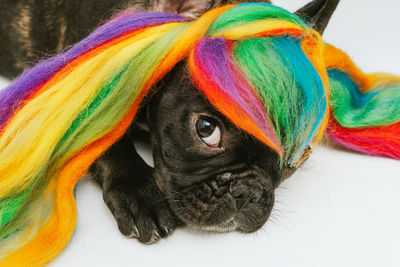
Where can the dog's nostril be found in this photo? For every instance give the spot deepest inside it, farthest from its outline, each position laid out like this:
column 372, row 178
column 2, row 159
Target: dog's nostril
column 238, row 190
column 245, row 193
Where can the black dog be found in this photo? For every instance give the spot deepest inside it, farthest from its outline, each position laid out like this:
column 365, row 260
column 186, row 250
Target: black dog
column 207, row 174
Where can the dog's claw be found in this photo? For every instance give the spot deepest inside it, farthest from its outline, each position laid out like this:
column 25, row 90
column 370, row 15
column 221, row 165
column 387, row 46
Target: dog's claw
column 167, row 230
column 135, row 232
column 144, row 216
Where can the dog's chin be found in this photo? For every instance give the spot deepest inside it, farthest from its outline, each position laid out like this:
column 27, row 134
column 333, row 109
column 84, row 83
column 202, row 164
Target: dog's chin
column 228, row 226
column 240, row 222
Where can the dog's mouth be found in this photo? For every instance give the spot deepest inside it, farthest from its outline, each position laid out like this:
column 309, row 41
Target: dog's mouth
column 240, row 201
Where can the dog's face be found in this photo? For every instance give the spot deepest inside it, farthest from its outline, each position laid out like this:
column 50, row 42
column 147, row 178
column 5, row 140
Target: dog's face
column 215, row 176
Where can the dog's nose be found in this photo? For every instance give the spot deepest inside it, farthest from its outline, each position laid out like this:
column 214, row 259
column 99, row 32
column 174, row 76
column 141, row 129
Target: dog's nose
column 246, row 191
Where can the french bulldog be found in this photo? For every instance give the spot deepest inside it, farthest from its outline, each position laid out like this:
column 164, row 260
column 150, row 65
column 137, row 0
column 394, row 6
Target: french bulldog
column 207, row 173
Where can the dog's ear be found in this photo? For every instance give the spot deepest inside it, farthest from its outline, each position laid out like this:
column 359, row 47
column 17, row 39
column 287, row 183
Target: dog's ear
column 318, row 13
column 187, row 8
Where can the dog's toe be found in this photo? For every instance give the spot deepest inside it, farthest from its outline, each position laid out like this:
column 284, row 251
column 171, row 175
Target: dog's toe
column 146, row 220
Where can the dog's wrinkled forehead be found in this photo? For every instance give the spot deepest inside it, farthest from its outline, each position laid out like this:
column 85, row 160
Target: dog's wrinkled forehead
column 177, row 102
column 178, row 94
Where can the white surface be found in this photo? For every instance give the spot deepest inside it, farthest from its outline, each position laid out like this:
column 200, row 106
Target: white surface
column 339, row 209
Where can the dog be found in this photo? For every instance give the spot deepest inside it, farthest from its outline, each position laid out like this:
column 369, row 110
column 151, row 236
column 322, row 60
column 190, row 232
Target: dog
column 207, row 173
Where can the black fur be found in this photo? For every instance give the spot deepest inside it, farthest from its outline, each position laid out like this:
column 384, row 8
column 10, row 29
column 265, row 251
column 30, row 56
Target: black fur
column 34, row 29
column 224, row 188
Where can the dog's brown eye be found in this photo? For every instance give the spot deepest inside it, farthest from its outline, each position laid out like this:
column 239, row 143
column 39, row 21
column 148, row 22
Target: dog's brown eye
column 208, row 131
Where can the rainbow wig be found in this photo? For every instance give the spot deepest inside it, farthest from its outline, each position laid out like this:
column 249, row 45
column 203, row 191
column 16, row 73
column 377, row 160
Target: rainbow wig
column 262, row 67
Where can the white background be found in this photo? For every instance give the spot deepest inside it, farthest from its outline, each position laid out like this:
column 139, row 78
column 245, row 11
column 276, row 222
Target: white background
column 340, row 209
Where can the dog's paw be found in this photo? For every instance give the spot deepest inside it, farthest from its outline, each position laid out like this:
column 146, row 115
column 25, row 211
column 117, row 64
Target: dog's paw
column 142, row 213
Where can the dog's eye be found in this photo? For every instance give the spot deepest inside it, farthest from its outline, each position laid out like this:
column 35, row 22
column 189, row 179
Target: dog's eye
column 208, row 131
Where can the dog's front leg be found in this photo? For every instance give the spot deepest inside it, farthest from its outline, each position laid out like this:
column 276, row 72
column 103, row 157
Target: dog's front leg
column 131, row 193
